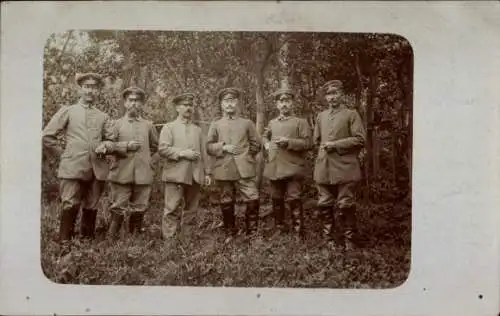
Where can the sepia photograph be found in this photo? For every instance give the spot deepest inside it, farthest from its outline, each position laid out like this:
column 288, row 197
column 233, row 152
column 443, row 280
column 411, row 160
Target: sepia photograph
column 234, row 159
column 249, row 158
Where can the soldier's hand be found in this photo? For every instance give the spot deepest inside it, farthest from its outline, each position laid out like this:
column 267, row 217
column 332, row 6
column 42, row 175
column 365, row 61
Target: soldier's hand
column 208, row 180
column 282, row 142
column 190, row 154
column 231, row 149
column 328, row 146
column 101, row 150
column 133, row 145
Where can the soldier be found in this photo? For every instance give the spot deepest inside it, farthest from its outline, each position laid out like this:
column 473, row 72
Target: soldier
column 131, row 175
column 183, row 146
column 286, row 139
column 81, row 172
column 234, row 142
column 340, row 135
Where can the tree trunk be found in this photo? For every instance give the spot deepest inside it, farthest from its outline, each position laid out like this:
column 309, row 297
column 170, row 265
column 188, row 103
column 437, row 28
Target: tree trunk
column 263, row 54
column 394, row 155
column 405, row 116
column 359, row 87
column 368, row 166
column 63, row 50
column 259, row 98
column 284, row 61
column 375, row 151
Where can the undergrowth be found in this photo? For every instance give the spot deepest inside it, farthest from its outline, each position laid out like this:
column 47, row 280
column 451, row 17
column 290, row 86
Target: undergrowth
column 199, row 256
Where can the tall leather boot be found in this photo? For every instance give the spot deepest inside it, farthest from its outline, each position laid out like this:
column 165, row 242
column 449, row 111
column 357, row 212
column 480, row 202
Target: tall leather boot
column 135, row 222
column 297, row 212
column 327, row 220
column 67, row 223
column 228, row 218
column 349, row 227
column 279, row 214
column 115, row 226
column 87, row 227
column 252, row 217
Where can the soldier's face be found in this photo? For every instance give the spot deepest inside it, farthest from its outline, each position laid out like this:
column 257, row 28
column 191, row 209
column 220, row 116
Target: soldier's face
column 229, row 103
column 333, row 96
column 284, row 104
column 185, row 109
column 89, row 90
column 133, row 103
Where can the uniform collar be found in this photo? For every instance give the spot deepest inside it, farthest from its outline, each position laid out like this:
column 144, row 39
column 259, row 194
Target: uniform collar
column 336, row 110
column 182, row 120
column 132, row 119
column 283, row 118
column 230, row 117
column 84, row 105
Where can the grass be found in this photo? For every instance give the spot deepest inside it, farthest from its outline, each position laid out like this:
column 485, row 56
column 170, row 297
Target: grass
column 201, row 258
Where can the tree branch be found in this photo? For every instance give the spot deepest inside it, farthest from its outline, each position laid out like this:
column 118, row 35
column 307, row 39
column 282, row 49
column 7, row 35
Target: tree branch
column 176, row 76
column 63, row 50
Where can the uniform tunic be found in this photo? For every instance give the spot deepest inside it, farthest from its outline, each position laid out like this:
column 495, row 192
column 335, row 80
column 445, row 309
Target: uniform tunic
column 133, row 167
column 177, row 136
column 287, row 162
column 234, row 171
column 241, row 133
column 84, row 128
column 286, row 166
column 344, row 127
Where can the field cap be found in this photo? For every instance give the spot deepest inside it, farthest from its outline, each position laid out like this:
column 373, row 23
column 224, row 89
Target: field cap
column 80, row 77
column 134, row 90
column 332, row 84
column 188, row 96
column 231, row 90
column 276, row 94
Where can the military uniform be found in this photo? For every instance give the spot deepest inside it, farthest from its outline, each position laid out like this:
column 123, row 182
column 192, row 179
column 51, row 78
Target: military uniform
column 235, row 171
column 286, row 166
column 81, row 172
column 182, row 177
column 131, row 173
column 336, row 173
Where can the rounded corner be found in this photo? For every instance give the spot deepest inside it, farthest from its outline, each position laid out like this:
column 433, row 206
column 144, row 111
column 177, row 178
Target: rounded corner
column 47, row 278
column 405, row 41
column 403, row 282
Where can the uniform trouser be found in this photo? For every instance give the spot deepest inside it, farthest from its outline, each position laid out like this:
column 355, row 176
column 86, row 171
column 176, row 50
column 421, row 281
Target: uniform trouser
column 286, row 189
column 181, row 207
column 247, row 188
column 129, row 198
column 75, row 192
column 340, row 197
